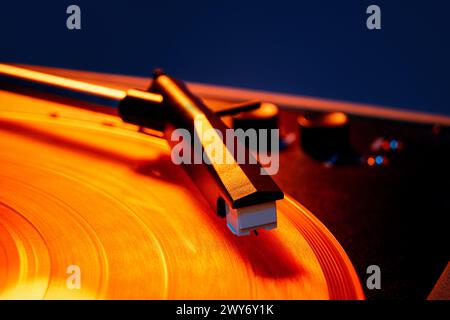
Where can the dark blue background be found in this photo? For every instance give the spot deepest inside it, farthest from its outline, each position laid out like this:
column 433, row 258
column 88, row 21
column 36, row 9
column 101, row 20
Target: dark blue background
column 317, row 48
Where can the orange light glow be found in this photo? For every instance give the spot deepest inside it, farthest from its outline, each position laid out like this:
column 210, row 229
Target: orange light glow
column 181, row 97
column 62, row 82
column 265, row 111
column 337, row 118
column 371, row 161
column 149, row 96
column 332, row 119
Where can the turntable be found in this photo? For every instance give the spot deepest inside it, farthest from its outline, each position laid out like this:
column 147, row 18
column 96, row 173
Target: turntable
column 88, row 191
column 93, row 205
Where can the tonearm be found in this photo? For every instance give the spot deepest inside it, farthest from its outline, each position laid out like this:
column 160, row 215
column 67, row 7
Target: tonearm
column 237, row 191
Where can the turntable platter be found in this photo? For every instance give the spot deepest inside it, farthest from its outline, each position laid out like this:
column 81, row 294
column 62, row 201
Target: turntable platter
column 82, row 188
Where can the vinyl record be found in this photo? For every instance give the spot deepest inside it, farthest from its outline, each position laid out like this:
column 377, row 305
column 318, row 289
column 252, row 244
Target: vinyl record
column 83, row 191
